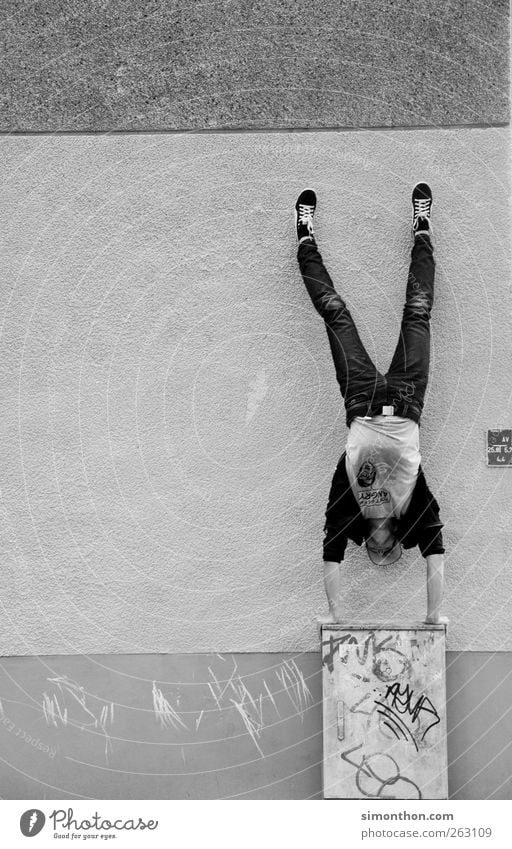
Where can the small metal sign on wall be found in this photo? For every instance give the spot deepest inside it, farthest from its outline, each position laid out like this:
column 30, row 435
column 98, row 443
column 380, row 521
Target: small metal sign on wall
column 499, row 447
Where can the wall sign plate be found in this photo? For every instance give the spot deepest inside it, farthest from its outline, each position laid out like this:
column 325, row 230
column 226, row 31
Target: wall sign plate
column 499, row 447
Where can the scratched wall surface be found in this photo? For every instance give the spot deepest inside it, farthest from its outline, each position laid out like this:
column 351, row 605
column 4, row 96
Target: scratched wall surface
column 200, row 726
column 384, row 713
column 171, row 420
column 214, row 726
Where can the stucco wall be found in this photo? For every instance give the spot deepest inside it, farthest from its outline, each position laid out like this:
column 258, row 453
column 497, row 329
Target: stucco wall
column 171, row 419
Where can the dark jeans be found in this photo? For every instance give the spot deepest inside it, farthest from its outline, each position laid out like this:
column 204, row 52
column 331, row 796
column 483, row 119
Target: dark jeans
column 365, row 389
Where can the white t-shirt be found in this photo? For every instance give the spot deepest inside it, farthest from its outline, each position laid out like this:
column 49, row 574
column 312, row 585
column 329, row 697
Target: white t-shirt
column 383, row 457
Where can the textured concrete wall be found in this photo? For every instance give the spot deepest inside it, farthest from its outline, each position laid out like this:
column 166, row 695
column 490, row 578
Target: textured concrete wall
column 234, row 63
column 170, row 416
column 140, row 749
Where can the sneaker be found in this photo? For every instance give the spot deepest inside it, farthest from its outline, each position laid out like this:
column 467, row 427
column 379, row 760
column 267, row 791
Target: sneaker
column 421, row 208
column 304, row 211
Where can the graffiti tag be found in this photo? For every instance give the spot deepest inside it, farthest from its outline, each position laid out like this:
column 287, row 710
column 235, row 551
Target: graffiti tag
column 401, row 701
column 378, row 776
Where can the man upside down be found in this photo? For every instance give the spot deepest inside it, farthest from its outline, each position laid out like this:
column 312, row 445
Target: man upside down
column 379, row 494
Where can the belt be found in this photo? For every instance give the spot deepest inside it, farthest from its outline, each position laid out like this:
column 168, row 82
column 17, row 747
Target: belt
column 386, row 410
column 367, row 411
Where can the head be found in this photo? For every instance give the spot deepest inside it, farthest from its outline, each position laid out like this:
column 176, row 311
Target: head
column 382, row 546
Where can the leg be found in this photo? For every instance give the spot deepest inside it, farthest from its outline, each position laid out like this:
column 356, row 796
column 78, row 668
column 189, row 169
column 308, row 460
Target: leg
column 408, row 373
column 356, row 374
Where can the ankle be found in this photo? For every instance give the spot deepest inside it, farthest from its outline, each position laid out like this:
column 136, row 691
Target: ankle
column 427, row 233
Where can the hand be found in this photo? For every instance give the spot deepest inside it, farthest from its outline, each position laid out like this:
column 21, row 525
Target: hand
column 337, row 613
column 437, row 620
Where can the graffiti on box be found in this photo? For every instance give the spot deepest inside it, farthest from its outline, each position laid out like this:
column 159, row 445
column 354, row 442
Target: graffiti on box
column 384, row 716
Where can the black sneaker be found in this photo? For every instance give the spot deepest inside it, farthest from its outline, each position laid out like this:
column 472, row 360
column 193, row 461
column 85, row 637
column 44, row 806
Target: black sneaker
column 421, row 208
column 304, row 211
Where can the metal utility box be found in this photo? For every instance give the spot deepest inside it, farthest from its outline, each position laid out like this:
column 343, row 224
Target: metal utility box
column 384, row 711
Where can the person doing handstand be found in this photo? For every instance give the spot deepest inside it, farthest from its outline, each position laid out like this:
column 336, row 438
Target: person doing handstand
column 379, row 494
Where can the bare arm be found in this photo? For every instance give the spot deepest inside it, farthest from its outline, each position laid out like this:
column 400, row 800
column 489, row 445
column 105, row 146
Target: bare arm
column 333, row 588
column 435, row 584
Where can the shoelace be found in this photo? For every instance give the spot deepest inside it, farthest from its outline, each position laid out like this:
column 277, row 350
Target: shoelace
column 306, row 214
column 421, row 207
